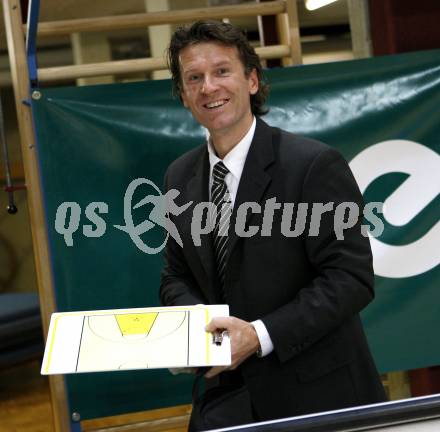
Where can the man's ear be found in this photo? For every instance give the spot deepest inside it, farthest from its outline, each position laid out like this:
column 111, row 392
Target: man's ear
column 253, row 82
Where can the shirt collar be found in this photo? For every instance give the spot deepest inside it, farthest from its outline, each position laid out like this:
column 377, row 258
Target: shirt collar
column 234, row 160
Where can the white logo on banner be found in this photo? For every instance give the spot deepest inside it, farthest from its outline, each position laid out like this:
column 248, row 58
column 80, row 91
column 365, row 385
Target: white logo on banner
column 406, row 202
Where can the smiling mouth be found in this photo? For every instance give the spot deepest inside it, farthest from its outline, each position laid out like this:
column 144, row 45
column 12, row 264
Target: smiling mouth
column 216, row 104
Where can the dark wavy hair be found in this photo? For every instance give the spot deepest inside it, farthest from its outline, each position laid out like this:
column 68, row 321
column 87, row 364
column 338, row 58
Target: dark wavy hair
column 226, row 34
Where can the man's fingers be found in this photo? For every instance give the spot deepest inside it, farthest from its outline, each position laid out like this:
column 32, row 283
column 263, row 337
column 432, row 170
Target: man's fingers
column 183, row 370
column 215, row 371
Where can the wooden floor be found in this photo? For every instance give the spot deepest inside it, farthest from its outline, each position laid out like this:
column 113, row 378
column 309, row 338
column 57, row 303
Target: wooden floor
column 25, row 407
column 24, row 400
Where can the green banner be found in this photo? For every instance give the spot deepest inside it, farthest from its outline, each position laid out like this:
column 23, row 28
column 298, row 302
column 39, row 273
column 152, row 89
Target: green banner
column 94, row 142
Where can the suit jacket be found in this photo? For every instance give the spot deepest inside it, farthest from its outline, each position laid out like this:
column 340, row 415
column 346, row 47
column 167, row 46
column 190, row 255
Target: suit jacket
column 307, row 289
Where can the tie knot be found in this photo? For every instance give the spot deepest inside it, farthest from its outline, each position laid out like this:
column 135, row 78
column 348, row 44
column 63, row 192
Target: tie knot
column 219, row 172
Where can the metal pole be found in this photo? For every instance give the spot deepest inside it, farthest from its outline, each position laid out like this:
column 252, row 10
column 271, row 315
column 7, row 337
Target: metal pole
column 9, row 188
column 31, row 41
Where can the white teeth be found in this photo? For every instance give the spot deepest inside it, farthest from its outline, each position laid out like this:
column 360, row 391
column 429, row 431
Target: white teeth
column 215, row 104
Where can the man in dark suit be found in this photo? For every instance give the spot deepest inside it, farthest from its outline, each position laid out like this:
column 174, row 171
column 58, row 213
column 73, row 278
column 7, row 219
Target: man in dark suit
column 297, row 341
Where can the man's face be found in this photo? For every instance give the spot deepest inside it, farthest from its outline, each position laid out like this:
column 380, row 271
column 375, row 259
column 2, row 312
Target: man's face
column 215, row 87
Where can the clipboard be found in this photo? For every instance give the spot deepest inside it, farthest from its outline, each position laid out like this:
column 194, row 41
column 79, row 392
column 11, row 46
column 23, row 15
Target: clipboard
column 140, row 338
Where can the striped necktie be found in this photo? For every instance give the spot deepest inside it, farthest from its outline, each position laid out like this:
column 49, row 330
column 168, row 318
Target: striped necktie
column 221, row 199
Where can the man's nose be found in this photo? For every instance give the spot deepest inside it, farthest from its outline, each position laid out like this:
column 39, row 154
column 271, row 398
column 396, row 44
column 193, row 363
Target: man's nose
column 209, row 85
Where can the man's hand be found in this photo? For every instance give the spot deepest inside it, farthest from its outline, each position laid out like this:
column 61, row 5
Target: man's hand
column 243, row 337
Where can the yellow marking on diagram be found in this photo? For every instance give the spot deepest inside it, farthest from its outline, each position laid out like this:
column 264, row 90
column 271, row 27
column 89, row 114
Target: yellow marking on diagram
column 134, row 324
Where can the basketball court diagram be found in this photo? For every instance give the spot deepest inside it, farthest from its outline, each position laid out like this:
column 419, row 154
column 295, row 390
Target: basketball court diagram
column 143, row 340
column 147, row 338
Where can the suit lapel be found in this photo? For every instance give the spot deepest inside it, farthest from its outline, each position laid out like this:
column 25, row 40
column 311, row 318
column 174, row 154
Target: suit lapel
column 254, row 179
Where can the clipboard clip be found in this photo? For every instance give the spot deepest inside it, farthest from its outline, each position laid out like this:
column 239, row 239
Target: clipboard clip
column 217, row 337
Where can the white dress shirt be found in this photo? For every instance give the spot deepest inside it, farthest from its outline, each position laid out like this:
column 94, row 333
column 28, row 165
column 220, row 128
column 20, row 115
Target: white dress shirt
column 234, row 162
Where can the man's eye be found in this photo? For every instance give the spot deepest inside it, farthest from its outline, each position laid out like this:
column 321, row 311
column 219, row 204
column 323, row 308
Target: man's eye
column 222, row 71
column 193, row 78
